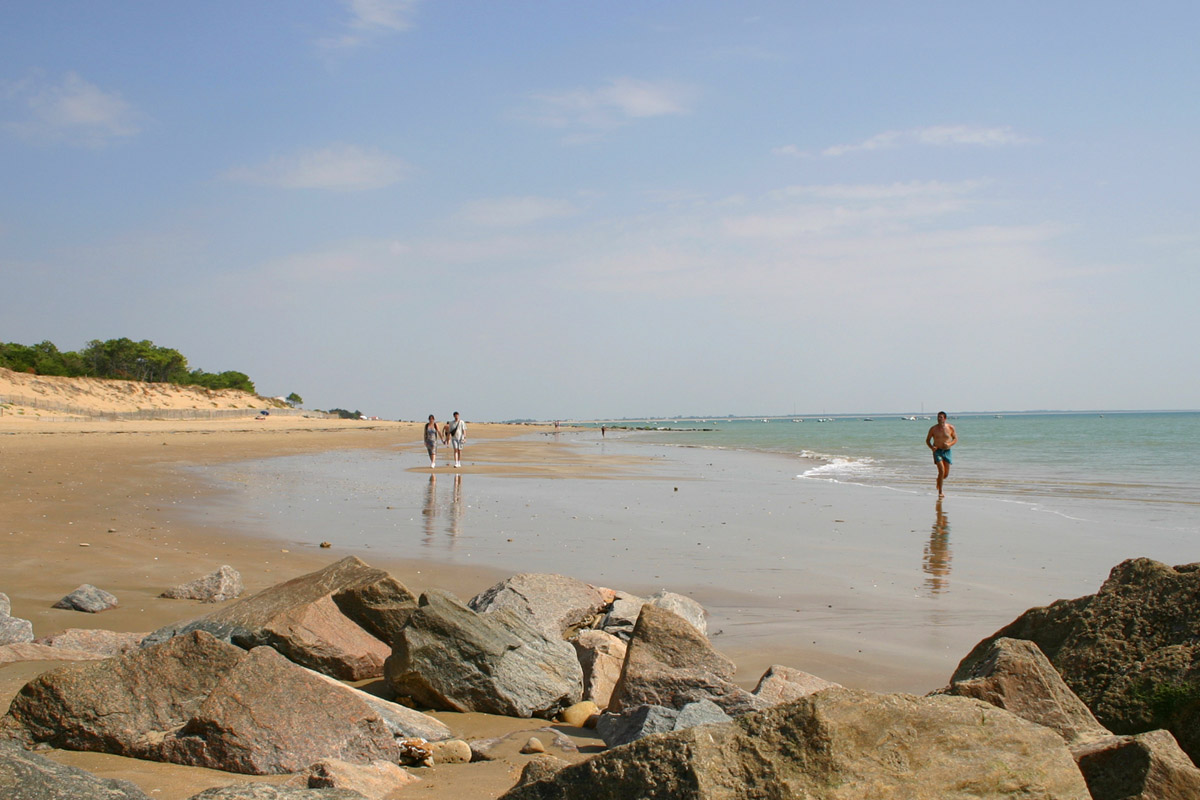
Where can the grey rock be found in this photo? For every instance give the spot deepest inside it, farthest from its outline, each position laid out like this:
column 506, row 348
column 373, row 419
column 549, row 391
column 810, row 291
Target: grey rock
column 684, row 606
column 635, row 723
column 14, row 630
column 28, row 776
column 834, row 745
column 780, row 684
column 701, row 712
column 450, row 657
column 1148, row 766
column 540, row 768
column 554, row 604
column 670, row 663
column 88, row 598
column 216, row 587
column 5, row 605
column 622, row 616
column 402, row 721
column 335, row 620
column 1014, row 674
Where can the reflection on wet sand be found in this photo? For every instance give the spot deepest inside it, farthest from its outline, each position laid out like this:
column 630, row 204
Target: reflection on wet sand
column 936, row 561
column 431, row 511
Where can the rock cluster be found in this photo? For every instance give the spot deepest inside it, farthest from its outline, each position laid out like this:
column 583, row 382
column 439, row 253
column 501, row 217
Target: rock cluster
column 1066, row 703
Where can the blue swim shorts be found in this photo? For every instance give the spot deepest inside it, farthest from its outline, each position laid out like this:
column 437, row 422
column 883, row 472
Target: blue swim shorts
column 942, row 455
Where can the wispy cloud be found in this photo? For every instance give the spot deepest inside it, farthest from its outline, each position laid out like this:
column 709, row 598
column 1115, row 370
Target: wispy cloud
column 934, row 136
column 72, row 111
column 510, row 212
column 343, row 167
column 610, row 106
column 369, row 21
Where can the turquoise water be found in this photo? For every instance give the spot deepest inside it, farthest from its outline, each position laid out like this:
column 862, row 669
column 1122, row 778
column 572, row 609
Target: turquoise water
column 1139, row 463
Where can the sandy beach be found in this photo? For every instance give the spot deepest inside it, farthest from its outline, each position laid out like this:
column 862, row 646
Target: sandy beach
column 854, row 591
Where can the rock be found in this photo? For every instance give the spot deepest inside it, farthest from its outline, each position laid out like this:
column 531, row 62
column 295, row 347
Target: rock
column 631, row 725
column 416, row 752
column 88, row 598
column 28, row 776
column 270, row 791
column 701, row 712
column 124, row 705
column 337, row 620
column 1015, row 675
column 622, row 616
column 199, row 701
column 834, row 745
column 1131, row 652
column 1148, row 766
column 780, row 684
column 554, row 604
column 101, row 642
column 451, row 751
column 374, row 781
column 217, row 587
column 601, row 655
column 402, row 721
column 577, row 716
column 28, row 651
column 267, row 716
column 635, row 723
column 534, row 745
column 14, row 630
column 540, row 767
column 5, row 605
column 670, row 663
column 450, row 657
column 684, row 606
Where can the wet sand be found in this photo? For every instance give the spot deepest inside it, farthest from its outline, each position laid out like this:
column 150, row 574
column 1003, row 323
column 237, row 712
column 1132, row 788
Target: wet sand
column 873, row 589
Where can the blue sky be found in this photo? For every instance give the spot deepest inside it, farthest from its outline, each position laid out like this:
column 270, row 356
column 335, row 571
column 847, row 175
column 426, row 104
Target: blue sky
column 572, row 210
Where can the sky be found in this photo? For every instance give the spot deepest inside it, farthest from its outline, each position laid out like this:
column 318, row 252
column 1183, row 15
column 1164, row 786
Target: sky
column 574, row 210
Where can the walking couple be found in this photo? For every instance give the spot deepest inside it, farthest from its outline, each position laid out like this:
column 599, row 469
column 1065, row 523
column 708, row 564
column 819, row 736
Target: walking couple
column 453, row 433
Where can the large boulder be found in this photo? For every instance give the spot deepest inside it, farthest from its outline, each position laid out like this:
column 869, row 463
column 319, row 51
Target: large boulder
column 216, row 587
column 28, row 776
column 554, row 604
column 271, row 791
column 1131, row 652
column 13, row 630
column 601, row 655
column 1148, row 766
column 450, row 657
column 682, row 605
column 637, row 723
column 780, row 684
column 1014, row 674
column 670, row 663
column 199, row 701
column 834, row 745
column 338, row 620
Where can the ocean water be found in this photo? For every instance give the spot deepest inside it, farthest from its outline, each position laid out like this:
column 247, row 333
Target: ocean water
column 1144, row 465
column 821, row 545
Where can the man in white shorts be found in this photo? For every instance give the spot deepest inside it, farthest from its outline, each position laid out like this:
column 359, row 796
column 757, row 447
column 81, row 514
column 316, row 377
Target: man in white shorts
column 458, row 434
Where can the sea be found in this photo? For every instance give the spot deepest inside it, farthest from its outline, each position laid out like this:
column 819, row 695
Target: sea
column 1142, row 464
column 819, row 543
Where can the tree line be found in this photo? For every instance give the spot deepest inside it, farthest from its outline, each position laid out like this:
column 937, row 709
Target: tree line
column 120, row 359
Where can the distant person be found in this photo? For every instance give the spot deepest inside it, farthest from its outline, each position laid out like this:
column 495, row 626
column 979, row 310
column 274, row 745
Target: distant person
column 432, row 434
column 602, row 430
column 940, row 439
column 456, row 431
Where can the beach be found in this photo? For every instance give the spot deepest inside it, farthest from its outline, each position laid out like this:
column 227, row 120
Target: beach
column 869, row 587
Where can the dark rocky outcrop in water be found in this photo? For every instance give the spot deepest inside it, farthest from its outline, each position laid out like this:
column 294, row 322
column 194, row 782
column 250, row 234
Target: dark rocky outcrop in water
column 1131, row 651
column 340, row 620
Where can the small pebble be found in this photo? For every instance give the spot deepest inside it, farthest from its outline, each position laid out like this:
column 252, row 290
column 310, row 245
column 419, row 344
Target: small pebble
column 534, row 745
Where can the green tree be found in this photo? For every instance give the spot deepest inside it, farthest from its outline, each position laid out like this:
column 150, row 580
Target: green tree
column 294, row 400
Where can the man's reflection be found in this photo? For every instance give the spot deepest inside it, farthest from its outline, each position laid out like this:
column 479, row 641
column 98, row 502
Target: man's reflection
column 936, row 561
column 430, row 510
column 456, row 509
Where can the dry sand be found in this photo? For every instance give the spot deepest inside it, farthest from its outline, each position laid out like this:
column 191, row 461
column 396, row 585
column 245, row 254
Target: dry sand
column 92, row 502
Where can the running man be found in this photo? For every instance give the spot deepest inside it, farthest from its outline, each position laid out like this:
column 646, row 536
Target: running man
column 940, row 439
